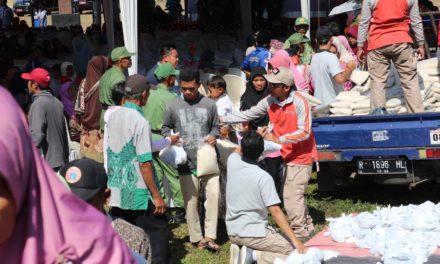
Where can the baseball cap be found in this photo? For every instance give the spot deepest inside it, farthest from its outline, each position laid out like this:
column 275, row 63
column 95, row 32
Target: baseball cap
column 164, row 70
column 136, row 84
column 85, row 177
column 38, row 75
column 323, row 34
column 301, row 21
column 120, row 52
column 281, row 75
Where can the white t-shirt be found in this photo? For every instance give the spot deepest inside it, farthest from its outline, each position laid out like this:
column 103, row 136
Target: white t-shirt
column 224, row 105
column 324, row 67
column 249, row 191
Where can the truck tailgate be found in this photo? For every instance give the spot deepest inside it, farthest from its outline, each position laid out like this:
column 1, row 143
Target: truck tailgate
column 377, row 132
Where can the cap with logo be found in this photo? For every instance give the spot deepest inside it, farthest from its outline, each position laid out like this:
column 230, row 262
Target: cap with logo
column 323, row 34
column 85, row 177
column 281, row 75
column 120, row 52
column 38, row 75
column 301, row 21
column 135, row 84
column 164, row 70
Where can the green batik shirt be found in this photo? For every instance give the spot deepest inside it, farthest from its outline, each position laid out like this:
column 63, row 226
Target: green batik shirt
column 155, row 108
column 128, row 137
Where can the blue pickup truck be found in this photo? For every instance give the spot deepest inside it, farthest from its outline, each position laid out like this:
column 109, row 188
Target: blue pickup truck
column 392, row 149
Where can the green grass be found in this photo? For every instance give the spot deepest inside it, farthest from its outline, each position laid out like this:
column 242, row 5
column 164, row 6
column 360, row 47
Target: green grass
column 365, row 197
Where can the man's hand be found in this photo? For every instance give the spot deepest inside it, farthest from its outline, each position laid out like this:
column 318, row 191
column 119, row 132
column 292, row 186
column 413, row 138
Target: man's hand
column 262, row 131
column 211, row 140
column 160, row 205
column 420, row 52
column 360, row 54
column 351, row 65
column 272, row 137
column 224, row 132
column 174, row 138
column 302, row 249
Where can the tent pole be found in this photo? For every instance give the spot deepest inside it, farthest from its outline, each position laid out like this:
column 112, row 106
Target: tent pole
column 305, row 12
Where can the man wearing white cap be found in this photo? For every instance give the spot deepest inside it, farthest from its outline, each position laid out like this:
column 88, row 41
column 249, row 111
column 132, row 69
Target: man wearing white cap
column 290, row 115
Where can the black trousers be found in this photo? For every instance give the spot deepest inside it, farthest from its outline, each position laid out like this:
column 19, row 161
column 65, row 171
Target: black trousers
column 273, row 167
column 156, row 226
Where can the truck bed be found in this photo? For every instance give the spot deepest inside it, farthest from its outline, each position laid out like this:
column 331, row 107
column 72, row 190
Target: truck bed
column 380, row 135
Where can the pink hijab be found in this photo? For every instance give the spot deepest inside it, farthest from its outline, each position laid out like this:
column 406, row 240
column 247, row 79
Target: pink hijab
column 52, row 224
column 281, row 59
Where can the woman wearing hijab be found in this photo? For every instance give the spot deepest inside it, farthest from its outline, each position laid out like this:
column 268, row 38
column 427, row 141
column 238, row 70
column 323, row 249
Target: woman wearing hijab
column 68, row 73
column 257, row 89
column 345, row 56
column 282, row 59
column 91, row 136
column 68, row 93
column 41, row 220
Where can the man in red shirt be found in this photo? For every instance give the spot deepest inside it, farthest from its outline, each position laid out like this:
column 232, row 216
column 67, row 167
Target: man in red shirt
column 388, row 25
column 290, row 115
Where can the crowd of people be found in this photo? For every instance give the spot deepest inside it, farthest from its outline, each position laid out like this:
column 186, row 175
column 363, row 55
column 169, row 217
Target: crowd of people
column 124, row 124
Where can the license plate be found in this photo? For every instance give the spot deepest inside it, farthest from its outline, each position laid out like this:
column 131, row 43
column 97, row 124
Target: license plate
column 18, row 10
column 82, row 3
column 382, row 166
column 434, row 137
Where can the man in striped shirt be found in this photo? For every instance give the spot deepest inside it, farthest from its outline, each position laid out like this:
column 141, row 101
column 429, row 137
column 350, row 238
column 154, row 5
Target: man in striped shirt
column 290, row 115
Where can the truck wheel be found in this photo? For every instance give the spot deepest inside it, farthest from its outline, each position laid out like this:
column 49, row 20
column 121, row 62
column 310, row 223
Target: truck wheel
column 326, row 178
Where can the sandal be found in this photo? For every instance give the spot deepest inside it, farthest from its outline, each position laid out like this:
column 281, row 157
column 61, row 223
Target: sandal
column 210, row 245
column 199, row 245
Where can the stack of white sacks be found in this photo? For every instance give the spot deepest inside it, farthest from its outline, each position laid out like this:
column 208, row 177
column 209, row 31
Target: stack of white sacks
column 429, row 80
column 357, row 102
column 405, row 234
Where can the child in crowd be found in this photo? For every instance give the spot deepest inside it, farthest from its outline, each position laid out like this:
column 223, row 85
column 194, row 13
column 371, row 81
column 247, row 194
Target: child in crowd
column 217, row 92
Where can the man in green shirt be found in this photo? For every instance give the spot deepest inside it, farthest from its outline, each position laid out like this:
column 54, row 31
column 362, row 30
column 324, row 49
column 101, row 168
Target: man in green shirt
column 121, row 59
column 154, row 113
column 301, row 28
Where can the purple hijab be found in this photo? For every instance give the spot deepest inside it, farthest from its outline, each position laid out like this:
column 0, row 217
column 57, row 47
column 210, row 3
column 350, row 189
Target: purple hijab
column 68, row 103
column 52, row 224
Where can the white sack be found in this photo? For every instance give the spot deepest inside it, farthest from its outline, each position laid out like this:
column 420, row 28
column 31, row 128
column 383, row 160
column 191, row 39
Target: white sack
column 225, row 148
column 342, row 104
column 340, row 111
column 359, row 77
column 394, row 102
column 207, row 160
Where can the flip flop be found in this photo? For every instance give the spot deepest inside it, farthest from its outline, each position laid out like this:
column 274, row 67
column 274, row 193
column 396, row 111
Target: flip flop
column 210, row 245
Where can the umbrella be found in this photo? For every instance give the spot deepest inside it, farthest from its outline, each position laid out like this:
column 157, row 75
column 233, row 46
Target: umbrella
column 346, row 7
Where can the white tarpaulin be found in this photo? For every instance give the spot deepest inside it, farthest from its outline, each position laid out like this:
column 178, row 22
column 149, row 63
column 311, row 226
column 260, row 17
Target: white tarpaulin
column 130, row 27
column 346, row 7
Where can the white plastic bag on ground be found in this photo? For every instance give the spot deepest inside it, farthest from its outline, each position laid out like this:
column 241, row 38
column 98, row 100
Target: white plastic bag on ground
column 313, row 256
